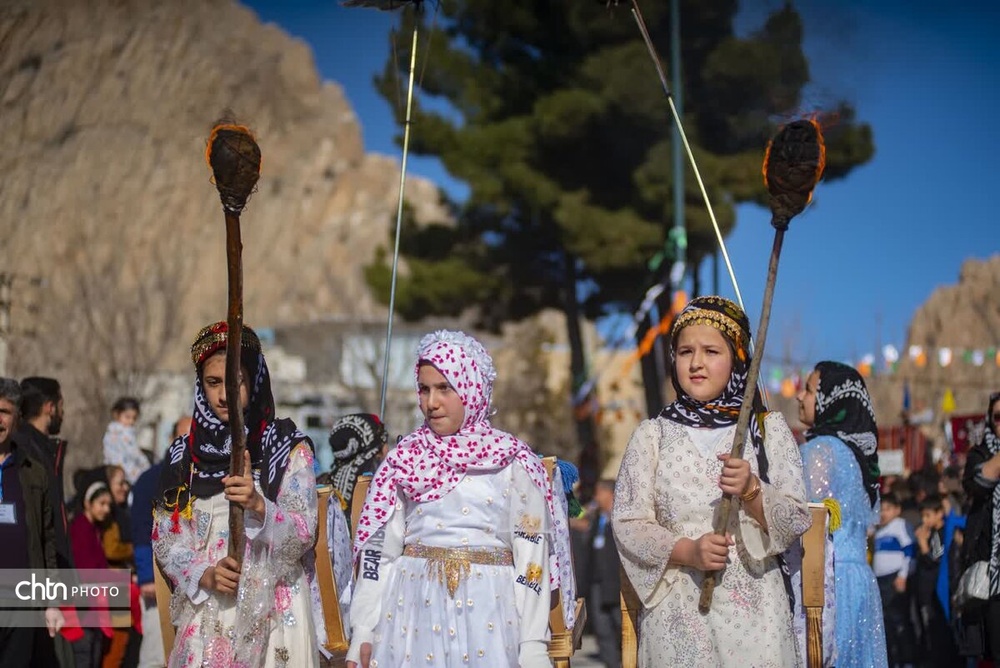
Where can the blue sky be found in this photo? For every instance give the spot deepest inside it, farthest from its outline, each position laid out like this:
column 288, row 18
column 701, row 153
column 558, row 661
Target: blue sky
column 856, row 265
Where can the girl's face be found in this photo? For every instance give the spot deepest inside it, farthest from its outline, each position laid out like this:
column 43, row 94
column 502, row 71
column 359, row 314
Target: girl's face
column 807, row 400
column 127, row 417
column 99, row 507
column 118, row 486
column 439, row 402
column 703, row 362
column 213, row 381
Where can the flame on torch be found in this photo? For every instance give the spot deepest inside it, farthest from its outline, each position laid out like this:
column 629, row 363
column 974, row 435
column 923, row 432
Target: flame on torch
column 793, row 164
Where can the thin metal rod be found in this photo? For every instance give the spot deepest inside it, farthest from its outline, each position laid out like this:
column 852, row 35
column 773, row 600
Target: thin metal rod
column 743, row 421
column 399, row 222
column 687, row 147
column 677, row 155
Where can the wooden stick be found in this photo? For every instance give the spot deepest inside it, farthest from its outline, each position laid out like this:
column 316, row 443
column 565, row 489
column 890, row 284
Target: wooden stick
column 163, row 595
column 234, row 322
column 813, row 575
column 743, row 422
column 234, row 156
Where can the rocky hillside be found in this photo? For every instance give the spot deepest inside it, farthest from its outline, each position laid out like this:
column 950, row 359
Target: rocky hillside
column 964, row 318
column 105, row 194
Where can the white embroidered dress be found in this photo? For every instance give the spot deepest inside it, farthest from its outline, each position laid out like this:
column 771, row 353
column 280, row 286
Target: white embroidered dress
column 403, row 607
column 667, row 489
column 274, row 618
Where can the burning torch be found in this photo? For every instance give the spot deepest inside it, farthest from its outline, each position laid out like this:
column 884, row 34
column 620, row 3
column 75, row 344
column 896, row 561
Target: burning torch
column 793, row 164
column 234, row 157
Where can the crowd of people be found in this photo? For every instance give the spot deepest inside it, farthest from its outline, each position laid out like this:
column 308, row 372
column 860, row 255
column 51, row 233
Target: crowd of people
column 465, row 538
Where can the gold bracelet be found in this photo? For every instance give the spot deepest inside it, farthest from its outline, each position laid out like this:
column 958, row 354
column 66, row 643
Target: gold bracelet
column 747, row 497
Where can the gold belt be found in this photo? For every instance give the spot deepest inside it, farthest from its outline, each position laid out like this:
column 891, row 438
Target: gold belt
column 452, row 565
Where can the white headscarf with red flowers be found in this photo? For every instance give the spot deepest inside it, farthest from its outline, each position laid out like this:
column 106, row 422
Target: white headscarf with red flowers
column 425, row 466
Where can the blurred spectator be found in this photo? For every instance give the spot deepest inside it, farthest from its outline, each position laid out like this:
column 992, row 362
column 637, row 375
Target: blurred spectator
column 982, row 535
column 603, row 587
column 41, row 420
column 85, row 533
column 121, row 446
column 894, row 551
column 27, row 531
column 116, row 540
column 938, row 643
column 151, row 649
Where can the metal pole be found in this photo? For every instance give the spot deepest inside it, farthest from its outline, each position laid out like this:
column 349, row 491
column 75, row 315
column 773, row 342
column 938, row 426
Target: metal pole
column 687, row 147
column 677, row 273
column 399, row 222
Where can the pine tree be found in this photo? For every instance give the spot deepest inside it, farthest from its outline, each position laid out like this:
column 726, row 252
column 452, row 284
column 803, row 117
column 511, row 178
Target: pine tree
column 551, row 112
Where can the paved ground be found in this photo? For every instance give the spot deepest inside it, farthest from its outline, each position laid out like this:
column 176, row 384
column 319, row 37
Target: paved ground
column 582, row 658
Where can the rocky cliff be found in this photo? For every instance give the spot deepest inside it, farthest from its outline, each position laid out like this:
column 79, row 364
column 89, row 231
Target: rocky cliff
column 105, row 194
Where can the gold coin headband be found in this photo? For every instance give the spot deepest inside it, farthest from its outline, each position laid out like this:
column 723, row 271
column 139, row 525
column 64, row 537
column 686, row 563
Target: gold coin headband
column 212, row 338
column 724, row 321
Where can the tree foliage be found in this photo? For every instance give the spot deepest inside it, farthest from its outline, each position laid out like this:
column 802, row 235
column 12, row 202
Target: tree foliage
column 552, row 114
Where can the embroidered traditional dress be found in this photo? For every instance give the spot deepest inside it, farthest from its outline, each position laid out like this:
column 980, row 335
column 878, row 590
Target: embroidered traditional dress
column 275, row 618
column 668, row 488
column 421, row 605
column 270, row 620
column 456, row 538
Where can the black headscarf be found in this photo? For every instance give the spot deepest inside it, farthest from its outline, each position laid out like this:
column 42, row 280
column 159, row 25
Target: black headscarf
column 727, row 317
column 195, row 464
column 356, row 440
column 992, row 444
column 844, row 410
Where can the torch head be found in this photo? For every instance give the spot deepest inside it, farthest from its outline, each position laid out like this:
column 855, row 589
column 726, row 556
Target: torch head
column 234, row 157
column 793, row 165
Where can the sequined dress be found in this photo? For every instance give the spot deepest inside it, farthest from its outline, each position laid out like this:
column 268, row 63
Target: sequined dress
column 667, row 489
column 498, row 612
column 831, row 470
column 274, row 618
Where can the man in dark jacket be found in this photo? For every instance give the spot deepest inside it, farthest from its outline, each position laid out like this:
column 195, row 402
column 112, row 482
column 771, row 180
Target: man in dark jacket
column 41, row 420
column 603, row 565
column 27, row 532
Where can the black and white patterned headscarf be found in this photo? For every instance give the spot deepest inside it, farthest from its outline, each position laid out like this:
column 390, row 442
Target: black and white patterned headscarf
column 992, row 443
column 195, row 463
column 723, row 411
column 356, row 441
column 844, row 410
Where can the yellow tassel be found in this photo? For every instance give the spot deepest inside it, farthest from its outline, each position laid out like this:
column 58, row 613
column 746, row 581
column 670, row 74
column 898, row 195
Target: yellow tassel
column 341, row 499
column 834, row 507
